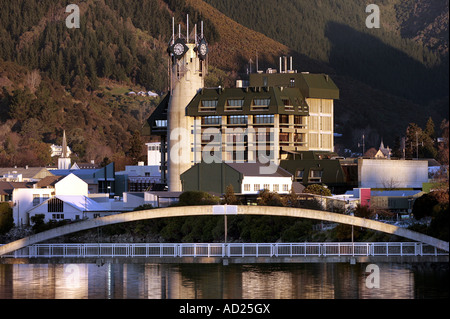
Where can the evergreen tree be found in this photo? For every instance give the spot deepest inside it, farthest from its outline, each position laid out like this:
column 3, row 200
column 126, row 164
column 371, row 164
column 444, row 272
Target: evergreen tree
column 229, row 197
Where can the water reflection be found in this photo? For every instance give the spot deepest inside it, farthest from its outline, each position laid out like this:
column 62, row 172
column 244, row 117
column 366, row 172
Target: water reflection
column 211, row 281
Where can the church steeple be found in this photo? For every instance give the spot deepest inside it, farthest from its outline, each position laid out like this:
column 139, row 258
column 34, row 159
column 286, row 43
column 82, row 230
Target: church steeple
column 64, row 160
column 64, row 146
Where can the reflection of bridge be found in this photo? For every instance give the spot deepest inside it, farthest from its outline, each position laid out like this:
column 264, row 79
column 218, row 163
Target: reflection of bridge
column 221, row 210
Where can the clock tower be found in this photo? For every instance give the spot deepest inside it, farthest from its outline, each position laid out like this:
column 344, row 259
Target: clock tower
column 187, row 70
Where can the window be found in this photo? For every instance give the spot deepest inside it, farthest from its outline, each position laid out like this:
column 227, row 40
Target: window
column 55, row 205
column 285, row 187
column 36, row 199
column 57, row 216
column 299, row 174
column 260, row 104
column 298, row 120
column 263, row 119
column 288, row 106
column 234, row 105
column 266, row 186
column 276, row 187
column 246, row 187
column 315, row 176
column 299, row 138
column 284, row 119
column 284, row 137
column 238, row 119
column 212, row 120
column 256, row 187
column 208, row 105
column 161, row 123
column 292, row 83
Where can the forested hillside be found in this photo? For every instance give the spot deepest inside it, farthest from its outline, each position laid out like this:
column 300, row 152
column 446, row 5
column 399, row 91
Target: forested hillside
column 383, row 74
column 53, row 78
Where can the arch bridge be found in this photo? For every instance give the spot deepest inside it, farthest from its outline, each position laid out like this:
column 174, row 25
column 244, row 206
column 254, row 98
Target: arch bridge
column 186, row 211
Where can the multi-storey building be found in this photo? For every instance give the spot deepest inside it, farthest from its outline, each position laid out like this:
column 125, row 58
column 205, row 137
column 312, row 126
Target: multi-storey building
column 275, row 117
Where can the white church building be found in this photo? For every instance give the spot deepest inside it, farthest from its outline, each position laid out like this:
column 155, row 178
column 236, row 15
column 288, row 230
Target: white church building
column 67, row 200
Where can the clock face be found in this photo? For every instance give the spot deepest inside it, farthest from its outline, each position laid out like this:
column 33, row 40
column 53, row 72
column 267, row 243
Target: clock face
column 178, row 49
column 203, row 49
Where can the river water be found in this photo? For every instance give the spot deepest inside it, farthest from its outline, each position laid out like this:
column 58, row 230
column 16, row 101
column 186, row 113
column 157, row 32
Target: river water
column 216, row 281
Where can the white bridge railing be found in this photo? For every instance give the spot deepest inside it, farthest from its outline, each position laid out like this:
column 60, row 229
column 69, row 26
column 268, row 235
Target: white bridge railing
column 227, row 250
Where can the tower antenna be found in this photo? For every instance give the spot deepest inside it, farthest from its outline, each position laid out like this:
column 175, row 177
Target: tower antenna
column 202, row 30
column 173, row 30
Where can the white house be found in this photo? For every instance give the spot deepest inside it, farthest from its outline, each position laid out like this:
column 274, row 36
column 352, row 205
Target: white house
column 66, row 199
column 71, row 185
column 254, row 181
column 25, row 199
column 68, row 207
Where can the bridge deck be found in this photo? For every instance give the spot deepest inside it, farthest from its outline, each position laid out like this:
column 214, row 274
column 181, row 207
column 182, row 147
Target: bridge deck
column 221, row 210
column 232, row 253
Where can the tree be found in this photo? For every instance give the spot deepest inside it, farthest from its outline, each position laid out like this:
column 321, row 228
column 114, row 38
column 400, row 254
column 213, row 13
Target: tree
column 317, row 190
column 6, row 218
column 423, row 206
column 429, row 140
column 193, row 198
column 443, row 150
column 230, row 198
column 363, row 211
column 136, row 146
column 268, row 198
column 413, row 138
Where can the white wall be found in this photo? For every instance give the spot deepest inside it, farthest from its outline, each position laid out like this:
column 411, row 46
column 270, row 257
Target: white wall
column 71, row 185
column 153, row 154
column 384, row 173
column 23, row 201
column 271, row 181
column 70, row 212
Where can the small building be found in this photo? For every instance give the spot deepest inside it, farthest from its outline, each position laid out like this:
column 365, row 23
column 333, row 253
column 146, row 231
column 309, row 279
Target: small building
column 311, row 167
column 159, row 199
column 140, row 178
column 392, row 174
column 7, row 188
column 69, row 207
column 61, row 198
column 23, row 174
column 392, row 201
column 99, row 180
column 25, row 199
column 383, row 152
column 245, row 178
